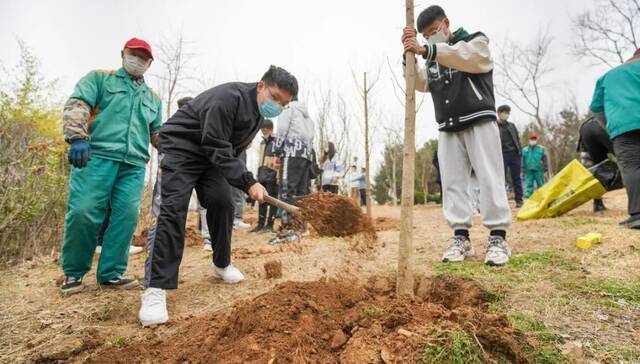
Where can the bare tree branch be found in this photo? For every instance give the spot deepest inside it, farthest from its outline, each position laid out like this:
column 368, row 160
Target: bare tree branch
column 608, row 32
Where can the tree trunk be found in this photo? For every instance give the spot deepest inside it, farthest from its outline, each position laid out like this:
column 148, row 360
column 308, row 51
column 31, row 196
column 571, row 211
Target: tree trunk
column 394, row 182
column 366, row 145
column 405, row 250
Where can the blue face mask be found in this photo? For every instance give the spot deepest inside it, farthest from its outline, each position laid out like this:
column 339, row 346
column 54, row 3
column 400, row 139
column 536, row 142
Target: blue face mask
column 269, row 108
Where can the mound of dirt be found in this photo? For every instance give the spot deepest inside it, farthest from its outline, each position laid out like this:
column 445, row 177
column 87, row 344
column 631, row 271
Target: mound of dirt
column 332, row 321
column 273, row 269
column 331, row 214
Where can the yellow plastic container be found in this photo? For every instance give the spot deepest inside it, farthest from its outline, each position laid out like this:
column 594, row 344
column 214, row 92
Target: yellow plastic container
column 587, row 241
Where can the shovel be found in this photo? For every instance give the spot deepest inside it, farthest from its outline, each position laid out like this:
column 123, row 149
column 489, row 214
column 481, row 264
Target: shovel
column 294, row 210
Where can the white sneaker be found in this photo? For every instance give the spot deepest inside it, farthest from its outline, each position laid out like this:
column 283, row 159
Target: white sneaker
column 98, row 249
column 459, row 248
column 239, row 224
column 153, row 310
column 498, row 251
column 135, row 249
column 230, row 274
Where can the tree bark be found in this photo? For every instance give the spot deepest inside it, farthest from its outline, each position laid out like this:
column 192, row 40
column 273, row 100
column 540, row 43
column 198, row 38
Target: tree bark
column 405, row 249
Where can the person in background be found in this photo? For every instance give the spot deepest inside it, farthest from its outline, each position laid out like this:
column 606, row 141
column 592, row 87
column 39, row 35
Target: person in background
column 595, row 146
column 354, row 184
column 534, row 161
column 617, row 95
column 239, row 200
column 511, row 151
column 459, row 76
column 294, row 147
column 267, row 176
column 331, row 169
column 362, row 186
column 109, row 120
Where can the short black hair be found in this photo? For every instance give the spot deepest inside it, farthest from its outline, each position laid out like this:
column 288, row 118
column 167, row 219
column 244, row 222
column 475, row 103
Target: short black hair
column 184, row 100
column 281, row 78
column 429, row 15
column 504, row 108
column 266, row 124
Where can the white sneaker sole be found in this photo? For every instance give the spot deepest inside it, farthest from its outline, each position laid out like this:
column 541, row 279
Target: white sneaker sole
column 470, row 253
column 216, row 276
column 495, row 262
column 149, row 323
column 74, row 290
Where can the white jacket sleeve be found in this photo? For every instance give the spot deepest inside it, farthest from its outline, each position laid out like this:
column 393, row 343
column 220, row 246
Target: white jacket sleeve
column 471, row 57
column 421, row 83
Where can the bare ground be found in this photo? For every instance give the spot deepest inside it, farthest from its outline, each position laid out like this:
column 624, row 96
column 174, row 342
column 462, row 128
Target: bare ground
column 589, row 300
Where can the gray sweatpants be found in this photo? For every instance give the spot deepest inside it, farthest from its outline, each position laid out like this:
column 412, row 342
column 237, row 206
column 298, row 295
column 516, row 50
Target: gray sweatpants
column 477, row 148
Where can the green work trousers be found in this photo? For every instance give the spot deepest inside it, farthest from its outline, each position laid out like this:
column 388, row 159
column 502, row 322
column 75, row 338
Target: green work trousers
column 533, row 176
column 91, row 190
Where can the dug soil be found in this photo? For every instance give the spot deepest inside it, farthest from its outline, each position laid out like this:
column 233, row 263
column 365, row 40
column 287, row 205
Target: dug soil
column 331, row 214
column 331, row 321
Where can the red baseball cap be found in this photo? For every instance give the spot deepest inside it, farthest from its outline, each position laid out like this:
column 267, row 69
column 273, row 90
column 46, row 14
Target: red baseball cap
column 135, row 43
column 533, row 136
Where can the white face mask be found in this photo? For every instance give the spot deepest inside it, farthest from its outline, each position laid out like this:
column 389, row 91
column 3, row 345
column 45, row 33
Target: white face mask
column 135, row 66
column 439, row 36
column 533, row 143
column 505, row 116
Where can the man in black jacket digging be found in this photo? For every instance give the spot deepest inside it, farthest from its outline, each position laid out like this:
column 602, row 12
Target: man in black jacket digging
column 459, row 75
column 200, row 145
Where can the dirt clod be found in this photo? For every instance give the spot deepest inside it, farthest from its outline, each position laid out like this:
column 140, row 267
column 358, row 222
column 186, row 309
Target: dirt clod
column 273, row 269
column 338, row 339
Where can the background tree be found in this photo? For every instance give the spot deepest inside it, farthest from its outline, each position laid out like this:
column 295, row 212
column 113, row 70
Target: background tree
column 522, row 74
column 365, row 93
column 609, row 33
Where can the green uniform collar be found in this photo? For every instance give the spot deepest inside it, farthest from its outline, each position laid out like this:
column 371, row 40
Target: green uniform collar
column 458, row 35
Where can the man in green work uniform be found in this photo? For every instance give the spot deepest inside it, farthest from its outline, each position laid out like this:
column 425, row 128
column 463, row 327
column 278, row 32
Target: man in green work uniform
column 109, row 120
column 534, row 161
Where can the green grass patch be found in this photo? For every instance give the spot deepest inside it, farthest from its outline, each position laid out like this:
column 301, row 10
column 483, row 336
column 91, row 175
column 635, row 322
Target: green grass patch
column 546, row 351
column 373, row 311
column 452, row 347
column 613, row 290
column 118, row 341
column 525, row 268
column 534, row 327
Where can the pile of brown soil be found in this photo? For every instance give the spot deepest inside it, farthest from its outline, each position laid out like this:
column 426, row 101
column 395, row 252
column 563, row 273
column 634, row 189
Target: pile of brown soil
column 332, row 321
column 273, row 269
column 331, row 214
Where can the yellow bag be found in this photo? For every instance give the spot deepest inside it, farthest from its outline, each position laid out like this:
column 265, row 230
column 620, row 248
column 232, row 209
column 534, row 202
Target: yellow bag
column 571, row 187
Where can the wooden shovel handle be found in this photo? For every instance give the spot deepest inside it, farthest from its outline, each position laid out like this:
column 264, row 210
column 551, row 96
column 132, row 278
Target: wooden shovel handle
column 282, row 205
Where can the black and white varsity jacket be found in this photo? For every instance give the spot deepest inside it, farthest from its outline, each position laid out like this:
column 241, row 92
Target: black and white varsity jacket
column 459, row 75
